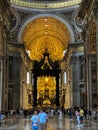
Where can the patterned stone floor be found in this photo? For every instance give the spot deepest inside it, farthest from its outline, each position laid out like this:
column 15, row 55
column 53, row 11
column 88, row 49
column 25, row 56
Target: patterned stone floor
column 53, row 124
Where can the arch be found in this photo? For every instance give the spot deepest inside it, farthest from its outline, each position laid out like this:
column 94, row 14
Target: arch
column 28, row 20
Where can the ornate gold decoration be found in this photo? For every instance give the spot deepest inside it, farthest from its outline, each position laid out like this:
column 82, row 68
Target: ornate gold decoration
column 45, row 5
column 46, row 90
column 46, row 32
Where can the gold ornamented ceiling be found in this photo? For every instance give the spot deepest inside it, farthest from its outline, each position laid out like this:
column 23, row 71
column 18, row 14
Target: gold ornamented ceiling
column 46, row 33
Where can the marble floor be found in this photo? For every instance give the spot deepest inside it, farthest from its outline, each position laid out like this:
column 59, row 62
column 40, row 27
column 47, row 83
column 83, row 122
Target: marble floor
column 53, row 124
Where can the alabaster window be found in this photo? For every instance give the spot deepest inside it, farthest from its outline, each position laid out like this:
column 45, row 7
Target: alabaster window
column 28, row 78
column 65, row 77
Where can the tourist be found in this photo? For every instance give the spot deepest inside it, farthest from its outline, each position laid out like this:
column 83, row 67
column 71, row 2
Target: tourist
column 35, row 121
column 60, row 114
column 42, row 120
column 77, row 113
column 81, row 116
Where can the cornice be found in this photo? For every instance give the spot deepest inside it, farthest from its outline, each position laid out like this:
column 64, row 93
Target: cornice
column 77, row 44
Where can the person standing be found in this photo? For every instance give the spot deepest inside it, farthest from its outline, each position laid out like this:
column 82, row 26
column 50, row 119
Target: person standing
column 52, row 112
column 60, row 118
column 35, row 121
column 42, row 120
column 60, row 114
column 81, row 116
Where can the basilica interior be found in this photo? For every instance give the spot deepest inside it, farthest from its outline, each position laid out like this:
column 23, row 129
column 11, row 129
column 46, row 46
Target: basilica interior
column 48, row 54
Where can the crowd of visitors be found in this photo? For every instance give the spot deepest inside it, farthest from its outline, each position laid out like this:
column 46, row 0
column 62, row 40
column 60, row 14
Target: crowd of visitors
column 39, row 117
column 78, row 113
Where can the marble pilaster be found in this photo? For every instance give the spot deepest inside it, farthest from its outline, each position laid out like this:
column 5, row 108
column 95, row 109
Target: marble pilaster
column 0, row 85
column 75, row 81
column 96, row 20
column 5, row 78
column 0, row 67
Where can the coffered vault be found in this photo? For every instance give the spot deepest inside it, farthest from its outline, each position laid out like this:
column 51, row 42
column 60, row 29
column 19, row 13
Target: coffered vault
column 45, row 33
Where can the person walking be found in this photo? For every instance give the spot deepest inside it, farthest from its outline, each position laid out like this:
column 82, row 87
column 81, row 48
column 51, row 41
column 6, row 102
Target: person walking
column 77, row 113
column 35, row 121
column 42, row 120
column 60, row 114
